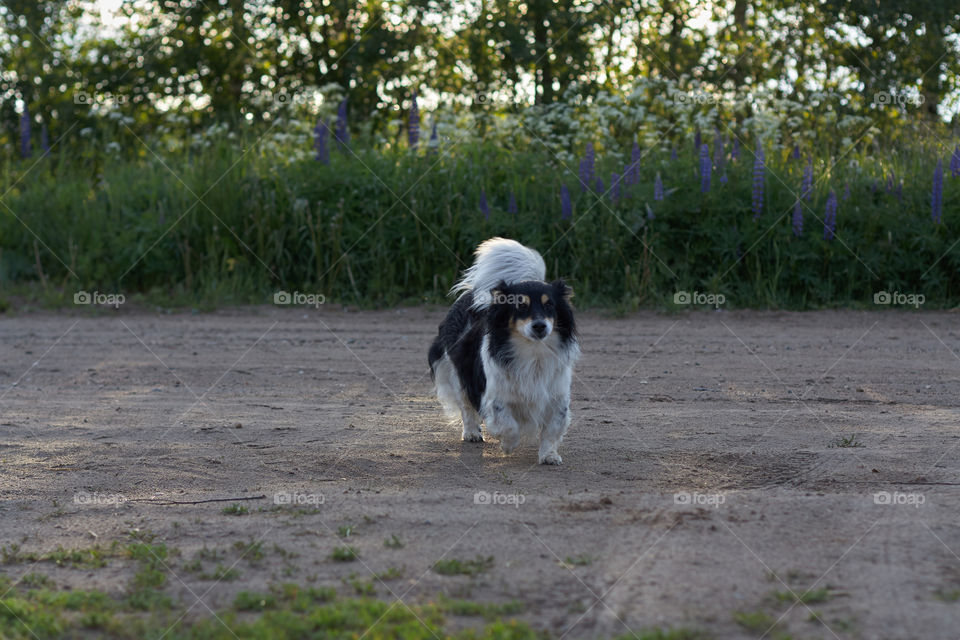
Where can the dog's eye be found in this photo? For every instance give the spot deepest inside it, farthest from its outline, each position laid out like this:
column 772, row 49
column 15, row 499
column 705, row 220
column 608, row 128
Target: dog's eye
column 548, row 304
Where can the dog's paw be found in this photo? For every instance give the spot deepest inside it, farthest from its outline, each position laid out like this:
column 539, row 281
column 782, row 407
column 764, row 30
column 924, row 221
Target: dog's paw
column 551, row 458
column 472, row 437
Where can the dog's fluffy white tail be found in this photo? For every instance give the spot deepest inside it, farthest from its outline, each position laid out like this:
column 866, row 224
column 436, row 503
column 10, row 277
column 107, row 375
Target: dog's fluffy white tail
column 499, row 259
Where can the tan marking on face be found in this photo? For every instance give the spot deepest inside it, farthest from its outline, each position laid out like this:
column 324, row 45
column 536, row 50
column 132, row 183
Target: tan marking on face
column 544, row 299
column 518, row 326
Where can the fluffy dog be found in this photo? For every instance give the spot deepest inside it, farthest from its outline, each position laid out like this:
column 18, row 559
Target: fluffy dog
column 505, row 352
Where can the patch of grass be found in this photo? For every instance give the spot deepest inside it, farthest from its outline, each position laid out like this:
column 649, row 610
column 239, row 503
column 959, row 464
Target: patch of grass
column 221, row 574
column 756, row 621
column 453, row 566
column 302, row 599
column 393, row 542
column 487, row 610
column 344, row 554
column 149, row 600
column 362, row 587
column 283, row 553
column 250, row 601
column 947, row 595
column 392, row 573
column 251, row 551
column 194, row 566
column 286, row 611
column 812, row 596
column 36, row 581
column 345, row 531
column 847, row 442
column 581, row 560
column 235, row 509
column 92, row 558
column 836, row 624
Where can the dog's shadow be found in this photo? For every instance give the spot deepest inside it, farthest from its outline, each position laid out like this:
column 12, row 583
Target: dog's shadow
column 486, row 456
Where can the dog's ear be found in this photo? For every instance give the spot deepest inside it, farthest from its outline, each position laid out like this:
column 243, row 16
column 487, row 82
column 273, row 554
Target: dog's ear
column 563, row 290
column 498, row 292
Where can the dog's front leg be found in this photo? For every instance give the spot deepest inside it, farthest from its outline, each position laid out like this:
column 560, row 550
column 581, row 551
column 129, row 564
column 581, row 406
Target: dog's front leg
column 502, row 424
column 554, row 428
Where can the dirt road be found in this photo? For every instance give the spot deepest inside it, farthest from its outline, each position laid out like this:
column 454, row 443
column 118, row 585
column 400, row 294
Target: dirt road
column 724, row 469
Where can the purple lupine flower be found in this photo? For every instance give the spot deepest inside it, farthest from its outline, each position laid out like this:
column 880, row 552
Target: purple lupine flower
column 874, row 186
column 483, row 203
column 600, row 188
column 321, row 133
column 658, row 188
column 512, row 204
column 806, row 186
column 705, row 168
column 25, row 150
column 566, row 207
column 955, row 162
column 846, row 191
column 830, row 219
column 582, row 175
column 614, row 187
column 796, row 151
column 673, row 154
column 697, row 140
column 900, row 191
column 718, row 151
column 798, row 218
column 589, row 158
column 723, row 177
column 45, row 139
column 759, row 178
column 342, row 131
column 936, row 196
column 413, row 123
column 735, row 152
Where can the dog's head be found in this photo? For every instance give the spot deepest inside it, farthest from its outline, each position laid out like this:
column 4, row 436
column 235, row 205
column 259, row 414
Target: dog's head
column 533, row 311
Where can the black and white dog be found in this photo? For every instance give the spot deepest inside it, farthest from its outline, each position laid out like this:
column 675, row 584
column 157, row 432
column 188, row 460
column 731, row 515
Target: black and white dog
column 505, row 352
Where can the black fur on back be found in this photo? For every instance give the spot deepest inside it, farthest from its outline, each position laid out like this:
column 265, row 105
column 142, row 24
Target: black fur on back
column 460, row 337
column 461, row 333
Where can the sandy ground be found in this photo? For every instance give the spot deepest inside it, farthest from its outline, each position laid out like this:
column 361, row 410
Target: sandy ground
column 700, row 476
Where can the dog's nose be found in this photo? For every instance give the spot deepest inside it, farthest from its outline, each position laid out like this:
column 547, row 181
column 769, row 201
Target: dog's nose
column 539, row 328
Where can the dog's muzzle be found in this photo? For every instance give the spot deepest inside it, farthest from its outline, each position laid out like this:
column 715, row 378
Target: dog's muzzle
column 539, row 329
